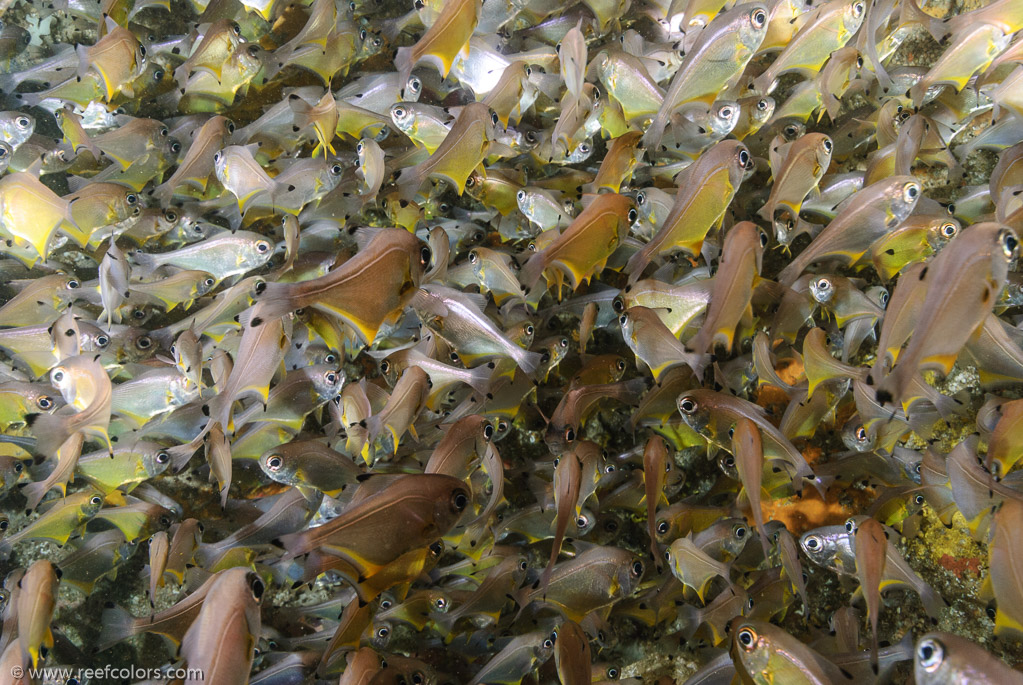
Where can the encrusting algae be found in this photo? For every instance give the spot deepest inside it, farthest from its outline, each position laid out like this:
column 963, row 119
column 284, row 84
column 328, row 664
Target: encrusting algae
column 476, row 342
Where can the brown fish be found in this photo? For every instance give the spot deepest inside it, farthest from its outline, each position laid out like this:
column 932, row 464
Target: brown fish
column 364, row 292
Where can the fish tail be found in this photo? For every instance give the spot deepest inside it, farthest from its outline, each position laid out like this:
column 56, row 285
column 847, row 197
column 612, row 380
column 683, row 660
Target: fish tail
column 912, row 14
column 279, row 299
column 933, row 602
column 533, row 269
column 50, row 431
column 528, row 361
column 409, row 182
column 636, row 264
column 655, row 131
column 145, row 263
column 479, row 378
column 403, row 63
column 34, row 492
column 117, row 624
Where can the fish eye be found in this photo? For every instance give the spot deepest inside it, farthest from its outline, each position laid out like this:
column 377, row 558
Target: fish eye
column 633, row 215
column 618, row 304
column 791, row 130
column 144, row 342
column 569, row 434
column 739, row 531
column 548, row 643
column 612, row 673
column 262, row 247
column 162, row 457
column 102, row 340
column 58, row 376
column 142, row 50
column 688, row 405
column 454, row 357
column 236, row 29
column 916, row 467
column 359, row 148
column 530, row 330
column 828, row 145
column 336, row 170
column 623, row 319
column 488, row 432
column 95, row 500
column 725, row 112
column 4, row 524
column 663, row 527
column 229, row 125
column 564, row 342
column 637, row 568
column 331, row 378
column 759, row 18
column 930, row 654
column 743, row 157
column 858, row 9
column 523, row 565
column 762, row 105
column 274, row 462
column 460, row 500
column 494, row 118
column 531, row 137
column 418, row 678
column 763, row 239
column 217, row 156
column 747, row 637
column 850, row 526
column 584, row 148
column 1009, row 242
column 73, row 283
column 175, row 147
column 473, row 257
column 208, row 282
column 949, row 230
column 581, row 521
column 910, row 191
column 884, row 297
column 919, row 500
column 44, row 402
column 415, row 84
column 362, row 34
column 750, row 604
column 813, row 543
column 425, row 255
column 22, row 122
column 611, row 526
column 386, row 604
column 260, row 287
column 385, row 366
column 861, row 434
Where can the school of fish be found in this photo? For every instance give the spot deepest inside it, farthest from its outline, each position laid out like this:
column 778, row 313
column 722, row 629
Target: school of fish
column 481, row 342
